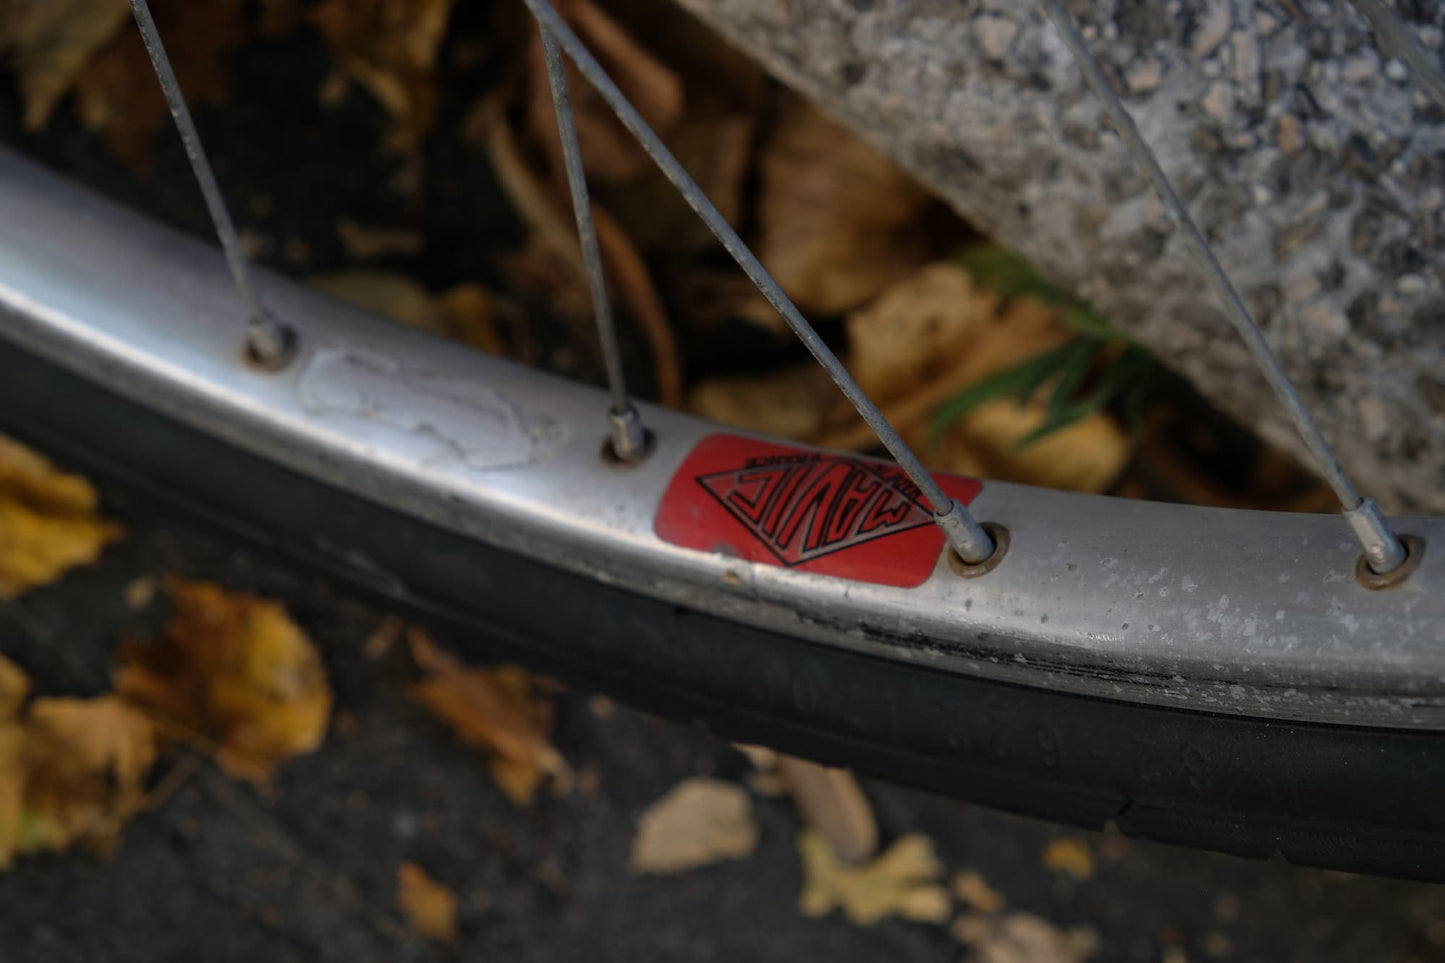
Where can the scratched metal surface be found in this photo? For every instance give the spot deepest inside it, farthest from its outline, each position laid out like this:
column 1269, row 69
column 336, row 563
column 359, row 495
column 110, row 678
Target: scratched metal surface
column 1239, row 612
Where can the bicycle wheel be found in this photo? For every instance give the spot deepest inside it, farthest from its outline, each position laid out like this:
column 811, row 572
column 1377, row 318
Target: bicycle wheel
column 1217, row 678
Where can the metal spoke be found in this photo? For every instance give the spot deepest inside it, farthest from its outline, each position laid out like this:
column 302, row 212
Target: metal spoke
column 962, row 530
column 1397, row 40
column 1380, row 545
column 625, row 427
column 268, row 340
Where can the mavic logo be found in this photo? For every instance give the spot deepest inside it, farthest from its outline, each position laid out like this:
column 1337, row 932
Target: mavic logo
column 805, row 506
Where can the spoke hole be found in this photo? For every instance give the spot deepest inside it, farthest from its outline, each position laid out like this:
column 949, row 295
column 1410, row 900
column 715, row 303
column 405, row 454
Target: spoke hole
column 611, row 457
column 1000, row 537
column 1371, row 579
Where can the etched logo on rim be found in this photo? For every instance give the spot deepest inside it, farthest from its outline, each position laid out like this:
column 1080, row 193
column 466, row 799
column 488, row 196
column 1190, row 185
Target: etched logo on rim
column 837, row 515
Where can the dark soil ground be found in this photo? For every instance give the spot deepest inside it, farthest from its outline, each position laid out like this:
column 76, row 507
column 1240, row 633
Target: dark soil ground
column 221, row 872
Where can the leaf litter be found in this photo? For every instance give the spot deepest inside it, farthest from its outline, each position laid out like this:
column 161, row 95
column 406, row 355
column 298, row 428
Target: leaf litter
column 902, row 881
column 232, row 674
column 429, row 907
column 699, row 822
column 505, row 711
column 49, row 521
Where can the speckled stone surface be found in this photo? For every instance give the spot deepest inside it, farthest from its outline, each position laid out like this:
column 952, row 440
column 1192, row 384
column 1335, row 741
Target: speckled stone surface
column 1310, row 159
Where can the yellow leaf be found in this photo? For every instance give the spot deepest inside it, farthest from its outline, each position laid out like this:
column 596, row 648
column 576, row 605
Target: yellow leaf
column 838, row 221
column 900, row 882
column 1022, row 938
column 84, row 767
column 12, row 789
column 235, row 670
column 49, row 42
column 970, row 887
column 429, row 907
column 500, row 711
column 699, row 822
column 14, row 686
column 48, row 521
column 1070, row 855
column 832, row 802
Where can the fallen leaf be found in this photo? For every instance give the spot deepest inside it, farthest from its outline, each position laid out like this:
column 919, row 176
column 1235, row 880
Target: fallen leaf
column 699, row 822
column 1022, row 938
column 117, row 94
column 48, row 521
column 971, row 888
column 390, row 47
column 500, row 710
column 14, row 687
column 49, row 42
column 928, row 323
column 234, row 670
column 429, row 907
column 81, row 766
column 797, row 403
column 463, row 313
column 1070, row 855
column 832, row 803
column 838, row 221
column 903, row 881
column 1086, row 456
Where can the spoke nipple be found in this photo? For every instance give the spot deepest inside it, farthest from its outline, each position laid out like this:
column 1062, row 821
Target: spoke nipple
column 968, row 538
column 1383, row 551
column 628, row 442
column 270, row 345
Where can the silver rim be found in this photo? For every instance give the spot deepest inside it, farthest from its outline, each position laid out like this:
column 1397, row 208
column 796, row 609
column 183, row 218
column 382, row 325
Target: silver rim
column 1238, row 612
column 1229, row 611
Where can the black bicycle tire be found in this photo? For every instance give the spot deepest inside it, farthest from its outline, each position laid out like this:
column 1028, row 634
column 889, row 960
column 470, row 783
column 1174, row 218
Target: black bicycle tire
column 1354, row 799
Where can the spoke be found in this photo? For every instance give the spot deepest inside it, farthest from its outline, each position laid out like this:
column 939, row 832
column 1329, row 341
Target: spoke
column 626, row 431
column 1397, row 40
column 1380, row 545
column 962, row 530
column 268, row 340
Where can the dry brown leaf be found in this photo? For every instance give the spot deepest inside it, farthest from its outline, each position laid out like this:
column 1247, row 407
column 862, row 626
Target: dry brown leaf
column 838, row 221
column 14, row 687
column 429, row 907
column 1022, row 938
column 903, row 881
column 117, row 93
column 501, row 710
column 927, row 325
column 1087, row 456
column 48, row 521
column 78, row 767
column 390, row 47
column 234, row 670
column 797, row 403
column 971, row 888
column 1071, row 855
column 609, row 152
column 463, row 313
column 699, row 822
column 833, row 803
column 49, row 42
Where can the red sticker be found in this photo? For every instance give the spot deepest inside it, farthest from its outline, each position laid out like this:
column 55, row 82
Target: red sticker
column 854, row 518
